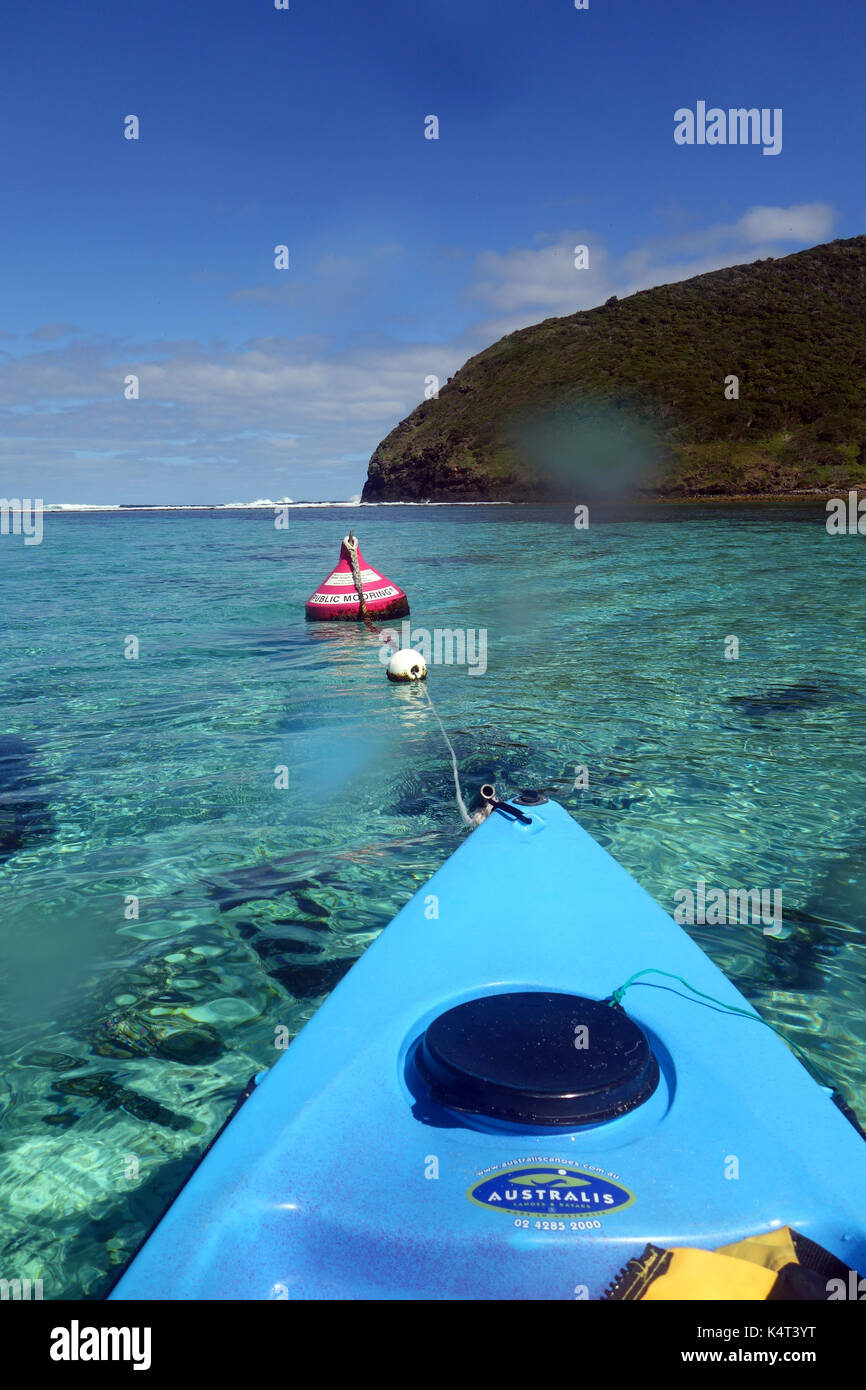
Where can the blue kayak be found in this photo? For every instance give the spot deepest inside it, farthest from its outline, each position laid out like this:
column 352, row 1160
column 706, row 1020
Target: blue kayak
column 472, row 1114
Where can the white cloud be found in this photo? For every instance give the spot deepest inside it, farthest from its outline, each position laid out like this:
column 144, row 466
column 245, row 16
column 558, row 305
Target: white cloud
column 49, row 332
column 267, row 411
column 278, row 409
column 527, row 285
column 546, row 278
column 803, row 222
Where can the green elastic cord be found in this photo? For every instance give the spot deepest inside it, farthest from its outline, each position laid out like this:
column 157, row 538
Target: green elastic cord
column 744, row 1013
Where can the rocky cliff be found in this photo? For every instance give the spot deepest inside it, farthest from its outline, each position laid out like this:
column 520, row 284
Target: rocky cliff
column 636, row 397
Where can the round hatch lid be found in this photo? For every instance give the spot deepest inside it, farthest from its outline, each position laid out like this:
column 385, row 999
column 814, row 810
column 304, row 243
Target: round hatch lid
column 537, row 1059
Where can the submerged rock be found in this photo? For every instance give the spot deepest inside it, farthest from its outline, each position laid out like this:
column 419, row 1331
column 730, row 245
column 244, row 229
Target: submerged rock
column 309, row 980
column 103, row 1086
column 52, row 1061
column 787, row 699
column 191, row 1046
column 224, row 1010
column 123, row 1035
column 25, row 812
column 841, row 895
column 799, row 960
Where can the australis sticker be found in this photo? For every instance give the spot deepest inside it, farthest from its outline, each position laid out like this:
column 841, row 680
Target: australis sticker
column 538, row 1189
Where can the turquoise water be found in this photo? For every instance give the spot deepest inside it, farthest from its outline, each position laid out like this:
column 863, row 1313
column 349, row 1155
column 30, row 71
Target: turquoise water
column 125, row 1039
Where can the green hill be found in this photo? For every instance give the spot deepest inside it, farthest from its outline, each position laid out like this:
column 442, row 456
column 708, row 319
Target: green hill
column 630, row 397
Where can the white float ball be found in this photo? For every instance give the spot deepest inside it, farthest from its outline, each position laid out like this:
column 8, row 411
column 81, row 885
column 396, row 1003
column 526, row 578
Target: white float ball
column 407, row 665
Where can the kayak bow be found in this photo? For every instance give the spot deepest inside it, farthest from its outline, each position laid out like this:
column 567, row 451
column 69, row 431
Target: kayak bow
column 470, row 1115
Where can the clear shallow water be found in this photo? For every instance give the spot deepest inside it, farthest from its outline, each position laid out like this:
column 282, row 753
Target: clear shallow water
column 125, row 1041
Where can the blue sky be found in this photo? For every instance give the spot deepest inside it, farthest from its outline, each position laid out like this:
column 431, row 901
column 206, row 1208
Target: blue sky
column 306, row 127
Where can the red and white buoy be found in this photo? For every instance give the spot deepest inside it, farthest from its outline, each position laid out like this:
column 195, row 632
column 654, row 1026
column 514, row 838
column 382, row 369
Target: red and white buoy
column 337, row 597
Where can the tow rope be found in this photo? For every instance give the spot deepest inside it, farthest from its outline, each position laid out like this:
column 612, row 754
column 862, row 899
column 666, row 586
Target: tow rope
column 352, row 548
column 465, row 816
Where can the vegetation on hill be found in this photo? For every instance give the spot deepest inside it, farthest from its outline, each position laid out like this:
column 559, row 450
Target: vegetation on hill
column 629, row 398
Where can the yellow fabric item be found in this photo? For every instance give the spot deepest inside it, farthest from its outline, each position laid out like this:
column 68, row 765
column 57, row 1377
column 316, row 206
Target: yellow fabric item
column 773, row 1250
column 711, row 1275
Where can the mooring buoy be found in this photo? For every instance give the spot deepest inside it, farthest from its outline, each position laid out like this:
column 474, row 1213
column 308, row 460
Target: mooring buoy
column 355, row 592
